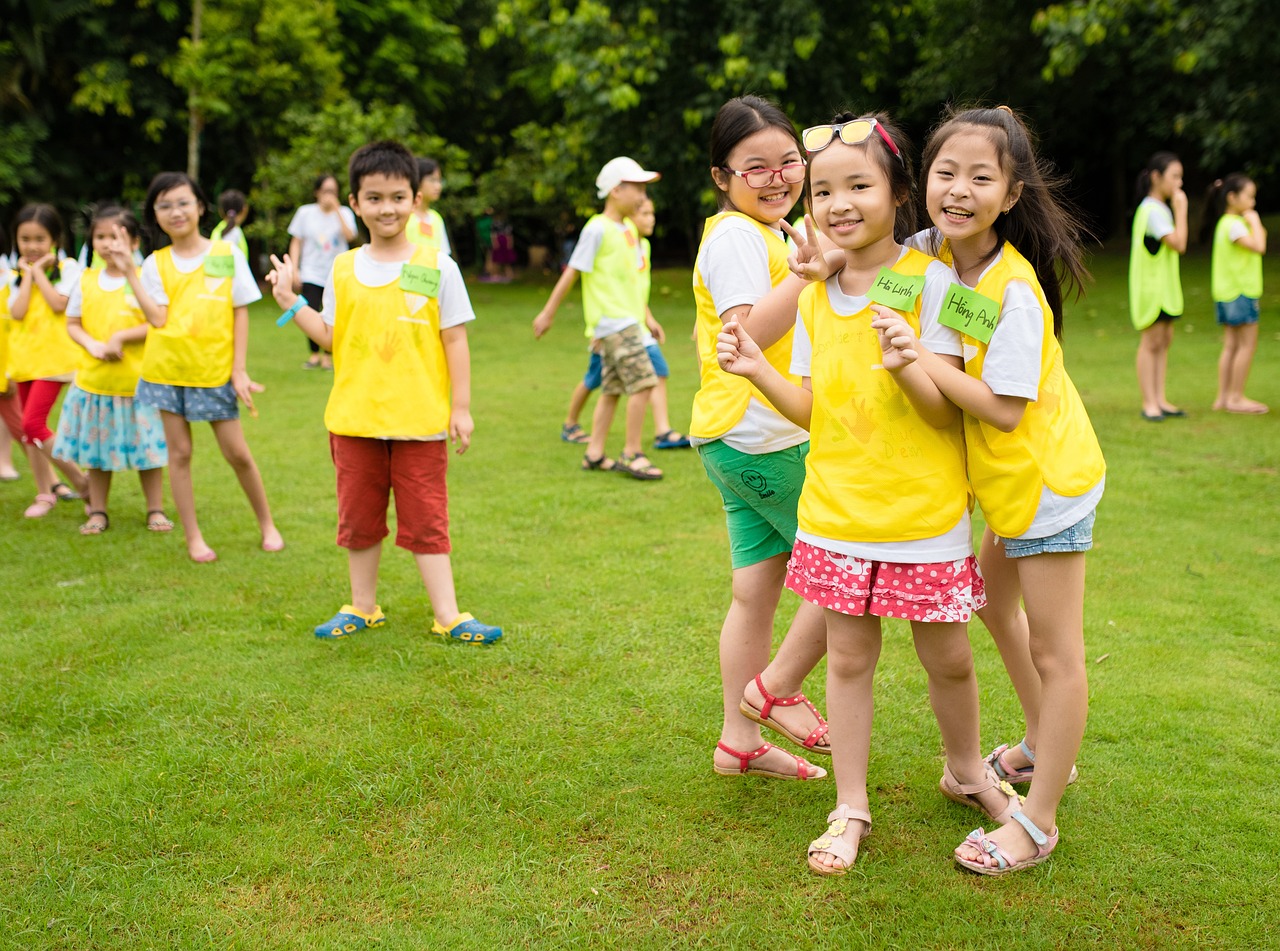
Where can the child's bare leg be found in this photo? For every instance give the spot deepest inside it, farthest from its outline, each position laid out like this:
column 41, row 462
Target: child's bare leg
column 853, row 648
column 1226, row 361
column 362, row 568
column 236, row 451
column 437, row 576
column 99, row 489
column 576, row 403
column 177, row 434
column 637, row 406
column 1153, row 357
column 152, row 481
column 41, row 470
column 1162, row 368
column 1239, row 363
column 1007, row 622
column 1053, row 585
column 73, row 474
column 600, row 423
column 658, row 401
column 10, row 419
column 800, row 651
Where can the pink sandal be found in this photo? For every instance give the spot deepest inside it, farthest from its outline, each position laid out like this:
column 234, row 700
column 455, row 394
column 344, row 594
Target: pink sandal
column 1026, row 773
column 42, row 506
column 1005, row 863
column 832, row 843
column 804, row 769
column 966, row 793
column 762, row 716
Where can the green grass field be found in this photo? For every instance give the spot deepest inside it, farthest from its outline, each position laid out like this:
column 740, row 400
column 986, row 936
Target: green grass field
column 182, row 765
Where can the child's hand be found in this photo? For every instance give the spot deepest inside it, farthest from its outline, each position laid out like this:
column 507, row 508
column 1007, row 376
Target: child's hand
column 542, row 323
column 113, row 349
column 655, row 328
column 282, row 280
column 461, row 427
column 46, row 262
column 245, row 388
column 97, row 349
column 737, row 353
column 117, row 253
column 897, row 340
column 1178, row 200
column 1252, row 219
column 808, row 261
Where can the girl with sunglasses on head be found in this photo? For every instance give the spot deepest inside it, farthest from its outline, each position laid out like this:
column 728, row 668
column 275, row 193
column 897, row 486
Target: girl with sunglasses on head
column 753, row 455
column 1034, row 461
column 884, row 514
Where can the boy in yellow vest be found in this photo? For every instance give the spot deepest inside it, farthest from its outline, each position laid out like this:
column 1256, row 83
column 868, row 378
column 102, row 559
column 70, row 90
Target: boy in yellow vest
column 611, row 261
column 394, row 315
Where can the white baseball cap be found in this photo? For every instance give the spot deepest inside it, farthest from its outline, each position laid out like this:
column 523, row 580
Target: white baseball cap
column 619, row 170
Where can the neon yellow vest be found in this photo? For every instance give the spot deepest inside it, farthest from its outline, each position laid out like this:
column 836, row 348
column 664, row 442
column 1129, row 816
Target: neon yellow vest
column 1236, row 271
column 876, row 471
column 219, row 230
column 429, row 232
column 1053, row 445
column 39, row 347
column 5, row 322
column 1155, row 283
column 646, row 271
column 196, row 345
column 612, row 287
column 390, row 378
column 722, row 398
column 102, row 313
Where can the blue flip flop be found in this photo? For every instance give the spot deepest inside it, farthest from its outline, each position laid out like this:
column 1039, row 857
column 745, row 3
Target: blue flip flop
column 348, row 621
column 671, row 440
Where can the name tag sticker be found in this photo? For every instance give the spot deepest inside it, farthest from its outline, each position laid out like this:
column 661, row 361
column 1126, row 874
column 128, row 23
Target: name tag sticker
column 895, row 290
column 417, row 279
column 219, row 265
column 970, row 313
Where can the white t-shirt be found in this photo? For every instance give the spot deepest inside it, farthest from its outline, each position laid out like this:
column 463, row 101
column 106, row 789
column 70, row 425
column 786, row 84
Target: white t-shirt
column 584, row 258
column 1159, row 220
column 1237, row 230
column 106, row 283
column 244, row 289
column 957, row 542
column 455, row 304
column 734, row 264
column 322, row 239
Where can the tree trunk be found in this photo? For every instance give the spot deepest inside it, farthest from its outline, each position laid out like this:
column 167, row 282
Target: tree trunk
column 194, row 119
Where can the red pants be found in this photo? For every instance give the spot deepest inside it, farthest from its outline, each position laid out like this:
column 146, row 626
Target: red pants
column 11, row 411
column 38, row 397
column 369, row 470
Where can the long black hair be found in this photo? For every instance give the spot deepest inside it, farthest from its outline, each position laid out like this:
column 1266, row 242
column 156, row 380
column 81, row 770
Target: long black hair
column 1215, row 202
column 47, row 217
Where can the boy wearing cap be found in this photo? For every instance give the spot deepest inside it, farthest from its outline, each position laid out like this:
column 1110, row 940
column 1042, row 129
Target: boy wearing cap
column 609, row 258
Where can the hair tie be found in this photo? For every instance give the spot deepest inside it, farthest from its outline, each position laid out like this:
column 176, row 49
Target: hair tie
column 1004, row 109
column 1217, row 183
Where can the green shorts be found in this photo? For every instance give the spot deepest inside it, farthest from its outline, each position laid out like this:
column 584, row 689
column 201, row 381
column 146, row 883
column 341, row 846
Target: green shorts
column 760, row 497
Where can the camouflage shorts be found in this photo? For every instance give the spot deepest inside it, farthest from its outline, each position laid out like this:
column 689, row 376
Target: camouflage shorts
column 627, row 367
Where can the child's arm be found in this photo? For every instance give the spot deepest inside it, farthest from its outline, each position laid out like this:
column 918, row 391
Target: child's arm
column 282, row 280
column 1256, row 239
column 1177, row 239
column 920, row 389
column 57, row 300
column 295, row 255
column 244, row 387
column 738, row 354
column 95, row 348
column 20, row 303
column 118, row 340
column 457, row 357
column 542, row 323
column 655, row 328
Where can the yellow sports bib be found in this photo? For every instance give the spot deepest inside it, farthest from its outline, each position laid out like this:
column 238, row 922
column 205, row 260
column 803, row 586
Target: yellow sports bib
column 4, row 338
column 390, row 378
column 1053, row 446
column 103, row 313
column 429, row 232
column 722, row 398
column 196, row 345
column 39, row 347
column 876, row 471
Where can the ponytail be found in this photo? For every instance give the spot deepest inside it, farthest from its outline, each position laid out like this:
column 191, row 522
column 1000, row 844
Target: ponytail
column 1215, row 202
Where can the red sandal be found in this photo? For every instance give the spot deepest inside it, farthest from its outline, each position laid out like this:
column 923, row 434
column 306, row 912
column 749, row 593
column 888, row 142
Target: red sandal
column 762, row 717
column 804, row 769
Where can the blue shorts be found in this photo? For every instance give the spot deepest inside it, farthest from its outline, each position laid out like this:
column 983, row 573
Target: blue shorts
column 195, row 404
column 1239, row 312
column 1077, row 537
column 595, row 367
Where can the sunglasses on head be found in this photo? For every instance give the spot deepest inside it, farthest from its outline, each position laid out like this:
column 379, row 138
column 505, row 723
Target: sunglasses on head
column 855, row 132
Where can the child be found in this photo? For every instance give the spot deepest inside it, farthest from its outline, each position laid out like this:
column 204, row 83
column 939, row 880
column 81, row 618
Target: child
column 425, row 224
column 883, row 515
column 1034, row 461
column 394, row 314
column 1239, row 242
column 196, row 295
column 318, row 233
column 608, row 255
column 42, row 358
column 664, row 436
column 101, row 427
column 10, row 408
column 234, row 208
column 1155, row 289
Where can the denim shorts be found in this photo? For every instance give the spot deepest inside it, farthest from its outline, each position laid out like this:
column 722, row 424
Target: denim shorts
column 1077, row 537
column 595, row 367
column 1239, row 312
column 195, row 404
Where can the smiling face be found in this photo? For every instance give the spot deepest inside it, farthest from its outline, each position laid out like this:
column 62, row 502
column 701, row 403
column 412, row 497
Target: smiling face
column 967, row 188
column 384, row 204
column 771, row 147
column 34, row 242
column 178, row 212
column 853, row 200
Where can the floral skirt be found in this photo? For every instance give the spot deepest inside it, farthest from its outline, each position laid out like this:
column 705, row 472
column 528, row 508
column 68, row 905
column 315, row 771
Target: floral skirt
column 109, row 433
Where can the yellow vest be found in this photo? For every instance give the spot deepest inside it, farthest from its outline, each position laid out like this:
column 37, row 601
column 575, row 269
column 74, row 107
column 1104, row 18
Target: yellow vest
column 646, row 271
column 39, row 347
column 429, row 232
column 103, row 313
column 4, row 338
column 390, row 378
column 876, row 471
column 1154, row 281
column 196, row 345
column 722, row 398
column 1235, row 271
column 1054, row 445
column 612, row 288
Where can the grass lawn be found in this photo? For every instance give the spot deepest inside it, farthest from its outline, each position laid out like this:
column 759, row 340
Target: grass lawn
column 183, row 765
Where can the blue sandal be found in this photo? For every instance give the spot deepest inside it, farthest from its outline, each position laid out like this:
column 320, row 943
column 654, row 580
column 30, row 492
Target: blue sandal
column 671, row 440
column 349, row 621
column 466, row 628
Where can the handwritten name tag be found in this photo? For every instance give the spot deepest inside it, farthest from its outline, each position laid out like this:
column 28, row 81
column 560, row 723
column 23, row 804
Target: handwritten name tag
column 895, row 290
column 970, row 313
column 219, row 265
column 417, row 279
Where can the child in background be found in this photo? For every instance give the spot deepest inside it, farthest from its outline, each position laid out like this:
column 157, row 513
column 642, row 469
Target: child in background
column 233, row 206
column 196, row 294
column 42, row 358
column 394, row 314
column 426, row 226
column 884, row 513
column 1239, row 242
column 318, row 233
column 10, row 408
column 1155, row 288
column 608, row 257
column 664, row 436
column 1034, row 461
column 101, row 427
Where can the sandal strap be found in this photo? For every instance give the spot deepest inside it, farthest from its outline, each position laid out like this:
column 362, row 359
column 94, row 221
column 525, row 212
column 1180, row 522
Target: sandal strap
column 1027, row 751
column 1033, row 830
column 978, row 839
column 770, row 701
column 744, row 759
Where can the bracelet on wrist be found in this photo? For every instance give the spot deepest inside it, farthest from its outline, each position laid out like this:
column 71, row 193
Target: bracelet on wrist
column 288, row 315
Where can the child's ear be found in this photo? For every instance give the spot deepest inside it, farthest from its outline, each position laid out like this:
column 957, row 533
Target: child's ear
column 720, row 178
column 1012, row 198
